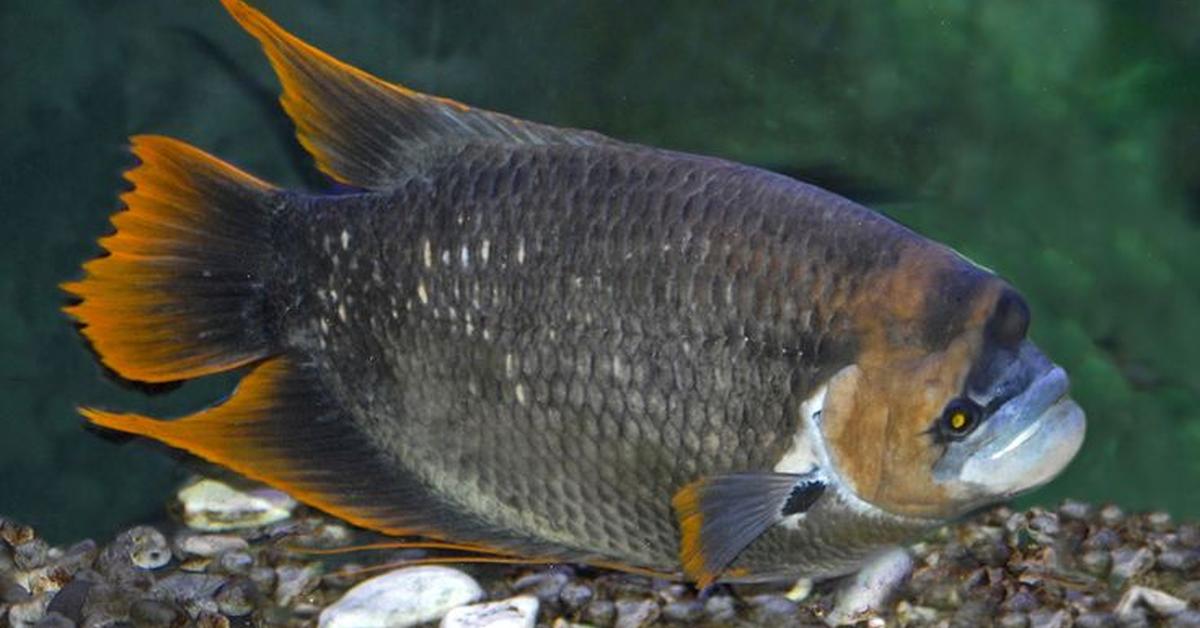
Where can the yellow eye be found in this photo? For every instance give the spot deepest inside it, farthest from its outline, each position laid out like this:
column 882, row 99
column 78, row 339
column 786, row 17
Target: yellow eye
column 959, row 418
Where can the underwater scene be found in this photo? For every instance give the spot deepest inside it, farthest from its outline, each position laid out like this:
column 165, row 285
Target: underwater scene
column 1052, row 145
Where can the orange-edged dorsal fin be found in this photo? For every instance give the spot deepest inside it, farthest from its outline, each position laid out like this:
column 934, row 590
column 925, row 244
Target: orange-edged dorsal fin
column 719, row 516
column 365, row 131
column 281, row 427
column 181, row 292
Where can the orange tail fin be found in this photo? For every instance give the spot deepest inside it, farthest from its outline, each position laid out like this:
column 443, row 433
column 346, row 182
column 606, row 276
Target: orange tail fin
column 180, row 293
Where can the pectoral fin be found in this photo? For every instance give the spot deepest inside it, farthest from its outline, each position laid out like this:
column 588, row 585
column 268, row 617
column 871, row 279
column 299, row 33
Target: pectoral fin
column 719, row 516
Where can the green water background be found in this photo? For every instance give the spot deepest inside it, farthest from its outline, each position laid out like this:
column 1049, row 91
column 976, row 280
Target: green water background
column 1055, row 142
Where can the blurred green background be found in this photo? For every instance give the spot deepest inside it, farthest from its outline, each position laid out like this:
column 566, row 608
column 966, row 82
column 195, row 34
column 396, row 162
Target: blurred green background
column 1058, row 143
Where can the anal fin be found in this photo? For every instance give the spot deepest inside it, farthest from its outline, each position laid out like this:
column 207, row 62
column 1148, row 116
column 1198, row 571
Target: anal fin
column 720, row 515
column 281, row 427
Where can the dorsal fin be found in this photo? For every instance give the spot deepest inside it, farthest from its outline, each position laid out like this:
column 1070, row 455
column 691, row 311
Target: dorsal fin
column 367, row 132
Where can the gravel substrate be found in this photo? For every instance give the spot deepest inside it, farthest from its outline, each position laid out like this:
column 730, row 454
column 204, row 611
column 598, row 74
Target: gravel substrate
column 1077, row 565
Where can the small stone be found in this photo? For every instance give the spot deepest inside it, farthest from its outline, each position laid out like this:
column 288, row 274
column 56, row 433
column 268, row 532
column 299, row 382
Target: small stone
column 30, row 611
column 236, row 597
column 1159, row 521
column 1111, row 514
column 636, row 613
column 214, row 506
column 1103, row 538
column 146, row 547
column 239, row 563
column 69, row 600
column 546, row 585
column 908, row 614
column 1190, row 592
column 574, row 595
column 14, row 533
column 1022, row 601
column 31, row 554
column 1161, row 603
column 1186, row 619
column 1179, row 559
column 210, row 619
column 1048, row 619
column 194, row 591
column 683, row 611
column 404, row 597
column 517, row 612
column 1045, row 522
column 600, row 613
column 1076, row 511
column 1128, row 563
column 152, row 613
column 1096, row 620
column 1013, row 620
column 209, row 545
column 293, row 581
column 1096, row 562
column 1189, row 535
column 720, row 608
column 263, row 578
column 772, row 609
column 11, row 592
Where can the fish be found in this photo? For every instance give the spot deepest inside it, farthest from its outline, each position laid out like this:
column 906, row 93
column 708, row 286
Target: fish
column 543, row 342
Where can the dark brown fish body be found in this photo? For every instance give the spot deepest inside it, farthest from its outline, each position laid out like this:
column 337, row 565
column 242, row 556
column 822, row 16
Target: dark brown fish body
column 564, row 335
column 547, row 343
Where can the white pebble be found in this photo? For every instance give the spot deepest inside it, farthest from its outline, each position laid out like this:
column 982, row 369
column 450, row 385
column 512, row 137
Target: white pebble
column 209, row 545
column 517, row 612
column 214, row 506
column 404, row 597
column 1163, row 604
column 864, row 595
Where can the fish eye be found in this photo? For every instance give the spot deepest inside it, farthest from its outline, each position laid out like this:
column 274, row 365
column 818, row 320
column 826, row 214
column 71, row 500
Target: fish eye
column 960, row 417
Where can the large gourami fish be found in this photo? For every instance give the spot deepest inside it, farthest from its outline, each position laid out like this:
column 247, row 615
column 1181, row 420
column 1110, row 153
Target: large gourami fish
column 544, row 342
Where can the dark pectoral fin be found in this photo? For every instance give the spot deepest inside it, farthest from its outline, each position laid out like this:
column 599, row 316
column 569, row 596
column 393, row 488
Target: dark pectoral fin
column 719, row 516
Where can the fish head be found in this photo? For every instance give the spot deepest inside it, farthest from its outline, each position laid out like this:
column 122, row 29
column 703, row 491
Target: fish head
column 938, row 432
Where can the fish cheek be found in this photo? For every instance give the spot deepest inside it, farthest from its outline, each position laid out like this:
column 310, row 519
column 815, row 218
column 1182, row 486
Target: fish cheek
column 875, row 426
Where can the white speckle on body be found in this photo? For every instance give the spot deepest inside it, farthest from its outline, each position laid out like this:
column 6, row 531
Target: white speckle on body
column 520, row 250
column 522, row 396
column 422, row 293
column 446, row 257
column 342, row 312
column 427, row 248
column 345, row 240
column 484, row 249
column 510, row 365
column 464, row 255
column 333, row 296
column 324, row 326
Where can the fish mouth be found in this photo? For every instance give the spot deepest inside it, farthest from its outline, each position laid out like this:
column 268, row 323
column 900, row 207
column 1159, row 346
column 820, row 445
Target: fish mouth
column 1028, row 441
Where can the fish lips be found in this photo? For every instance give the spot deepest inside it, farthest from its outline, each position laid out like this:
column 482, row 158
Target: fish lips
column 1025, row 443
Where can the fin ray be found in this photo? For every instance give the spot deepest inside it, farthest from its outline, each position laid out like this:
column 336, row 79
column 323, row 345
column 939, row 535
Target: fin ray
column 365, row 131
column 178, row 295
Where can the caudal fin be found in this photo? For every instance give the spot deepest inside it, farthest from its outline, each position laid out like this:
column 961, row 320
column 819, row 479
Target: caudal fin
column 180, row 292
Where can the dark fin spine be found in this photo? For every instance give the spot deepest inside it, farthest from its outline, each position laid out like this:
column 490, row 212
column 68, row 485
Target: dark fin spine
column 180, row 293
column 719, row 516
column 365, row 131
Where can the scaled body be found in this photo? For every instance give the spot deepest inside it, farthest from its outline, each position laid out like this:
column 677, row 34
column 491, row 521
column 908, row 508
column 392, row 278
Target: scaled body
column 548, row 343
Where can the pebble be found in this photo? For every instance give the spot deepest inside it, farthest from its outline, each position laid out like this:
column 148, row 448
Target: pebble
column 1179, row 559
column 1162, row 603
column 55, row 620
column 517, row 612
column 151, row 612
column 149, row 548
column 1111, row 514
column 600, row 612
column 574, row 596
column 236, row 597
column 31, row 554
column 1096, row 620
column 214, row 506
column 866, row 592
column 720, row 608
column 209, row 545
column 1096, row 562
column 1128, row 563
column 1050, row 619
column 1076, row 511
column 683, row 611
column 636, row 613
column 293, row 581
column 546, row 585
column 404, row 597
column 1186, row 619
column 29, row 612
